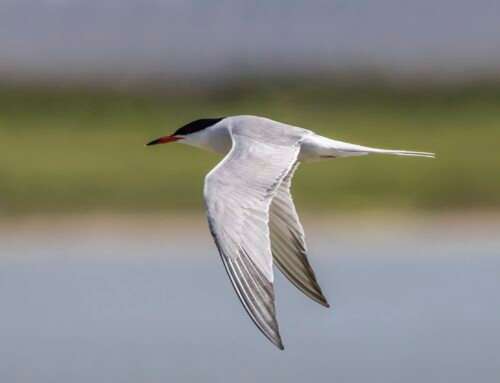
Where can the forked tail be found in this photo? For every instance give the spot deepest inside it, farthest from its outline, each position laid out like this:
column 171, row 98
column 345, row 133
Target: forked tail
column 406, row 153
column 327, row 147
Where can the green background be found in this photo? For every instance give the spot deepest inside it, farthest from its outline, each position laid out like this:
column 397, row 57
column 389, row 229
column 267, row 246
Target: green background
column 82, row 150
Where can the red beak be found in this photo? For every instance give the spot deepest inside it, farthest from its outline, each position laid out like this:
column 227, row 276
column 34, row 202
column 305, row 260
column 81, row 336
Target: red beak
column 164, row 140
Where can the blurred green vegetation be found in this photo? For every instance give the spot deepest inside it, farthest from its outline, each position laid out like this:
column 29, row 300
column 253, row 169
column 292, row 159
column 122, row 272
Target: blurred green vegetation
column 80, row 150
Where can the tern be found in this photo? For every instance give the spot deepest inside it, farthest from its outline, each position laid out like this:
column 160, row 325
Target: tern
column 249, row 206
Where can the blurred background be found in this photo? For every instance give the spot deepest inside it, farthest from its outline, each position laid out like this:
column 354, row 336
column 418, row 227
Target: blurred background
column 107, row 269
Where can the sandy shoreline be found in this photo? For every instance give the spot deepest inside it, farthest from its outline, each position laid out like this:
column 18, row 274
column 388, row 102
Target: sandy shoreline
column 485, row 223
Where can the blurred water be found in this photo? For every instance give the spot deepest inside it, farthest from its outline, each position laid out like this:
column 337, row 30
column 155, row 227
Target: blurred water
column 408, row 306
column 453, row 38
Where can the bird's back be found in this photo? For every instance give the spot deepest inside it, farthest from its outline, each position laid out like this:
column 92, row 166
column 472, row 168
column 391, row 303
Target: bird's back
column 265, row 130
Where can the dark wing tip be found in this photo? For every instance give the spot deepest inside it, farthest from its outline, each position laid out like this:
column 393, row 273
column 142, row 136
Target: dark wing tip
column 310, row 286
column 324, row 303
column 276, row 340
column 255, row 292
column 320, row 297
column 320, row 300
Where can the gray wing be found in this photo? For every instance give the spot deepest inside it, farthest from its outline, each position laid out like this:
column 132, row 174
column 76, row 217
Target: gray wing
column 238, row 192
column 288, row 242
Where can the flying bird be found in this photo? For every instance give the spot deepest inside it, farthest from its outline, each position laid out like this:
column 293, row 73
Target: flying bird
column 249, row 206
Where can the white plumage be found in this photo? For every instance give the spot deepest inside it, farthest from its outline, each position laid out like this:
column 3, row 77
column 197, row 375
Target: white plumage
column 250, row 210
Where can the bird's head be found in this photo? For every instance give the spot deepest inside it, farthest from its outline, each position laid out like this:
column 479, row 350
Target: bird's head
column 193, row 133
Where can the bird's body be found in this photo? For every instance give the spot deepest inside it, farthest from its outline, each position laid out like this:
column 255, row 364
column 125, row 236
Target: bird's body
column 313, row 147
column 249, row 206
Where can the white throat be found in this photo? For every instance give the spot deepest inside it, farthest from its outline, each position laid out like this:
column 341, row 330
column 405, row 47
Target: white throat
column 214, row 138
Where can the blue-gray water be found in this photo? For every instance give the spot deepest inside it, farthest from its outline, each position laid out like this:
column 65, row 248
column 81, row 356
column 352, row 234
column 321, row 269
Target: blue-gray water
column 410, row 304
column 147, row 38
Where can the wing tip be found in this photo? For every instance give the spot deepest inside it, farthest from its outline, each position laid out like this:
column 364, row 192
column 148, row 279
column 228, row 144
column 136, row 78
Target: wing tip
column 320, row 298
column 317, row 296
column 278, row 343
column 272, row 336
